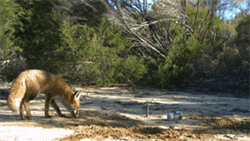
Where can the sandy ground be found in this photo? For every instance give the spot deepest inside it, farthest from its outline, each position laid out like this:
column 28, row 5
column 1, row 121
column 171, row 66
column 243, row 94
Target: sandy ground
column 119, row 114
column 14, row 132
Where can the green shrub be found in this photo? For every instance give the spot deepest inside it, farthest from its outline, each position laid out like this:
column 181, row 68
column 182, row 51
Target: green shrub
column 177, row 65
column 39, row 35
column 98, row 54
column 243, row 37
column 9, row 23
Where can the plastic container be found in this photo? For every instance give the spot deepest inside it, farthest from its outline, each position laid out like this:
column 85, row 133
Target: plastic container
column 176, row 115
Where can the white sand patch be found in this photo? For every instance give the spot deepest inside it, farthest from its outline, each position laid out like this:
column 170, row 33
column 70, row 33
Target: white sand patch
column 8, row 133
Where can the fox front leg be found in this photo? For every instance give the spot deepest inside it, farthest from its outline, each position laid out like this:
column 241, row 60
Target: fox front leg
column 54, row 105
column 47, row 102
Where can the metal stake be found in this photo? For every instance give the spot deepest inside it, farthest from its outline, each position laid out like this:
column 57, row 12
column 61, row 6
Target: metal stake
column 147, row 109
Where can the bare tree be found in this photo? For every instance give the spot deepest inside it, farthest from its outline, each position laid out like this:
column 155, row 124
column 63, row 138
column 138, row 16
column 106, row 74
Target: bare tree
column 149, row 23
column 81, row 11
column 150, row 28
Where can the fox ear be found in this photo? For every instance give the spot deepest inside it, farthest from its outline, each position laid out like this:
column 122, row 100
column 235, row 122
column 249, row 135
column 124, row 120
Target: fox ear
column 77, row 94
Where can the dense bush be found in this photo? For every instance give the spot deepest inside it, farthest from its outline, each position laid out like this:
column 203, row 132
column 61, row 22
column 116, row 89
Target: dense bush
column 99, row 54
column 243, row 37
column 178, row 64
column 184, row 51
column 39, row 35
column 227, row 59
column 9, row 15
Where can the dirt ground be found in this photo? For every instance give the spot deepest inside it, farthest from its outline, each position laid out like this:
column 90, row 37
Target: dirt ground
column 118, row 113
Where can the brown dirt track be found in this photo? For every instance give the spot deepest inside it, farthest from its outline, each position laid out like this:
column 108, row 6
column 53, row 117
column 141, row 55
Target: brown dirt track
column 117, row 127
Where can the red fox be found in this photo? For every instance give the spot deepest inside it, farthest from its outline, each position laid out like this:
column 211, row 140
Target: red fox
column 30, row 83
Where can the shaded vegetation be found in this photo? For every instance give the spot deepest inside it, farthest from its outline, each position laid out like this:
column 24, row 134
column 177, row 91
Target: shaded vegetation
column 79, row 41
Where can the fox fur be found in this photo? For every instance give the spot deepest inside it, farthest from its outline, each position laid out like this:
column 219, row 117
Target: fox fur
column 30, row 83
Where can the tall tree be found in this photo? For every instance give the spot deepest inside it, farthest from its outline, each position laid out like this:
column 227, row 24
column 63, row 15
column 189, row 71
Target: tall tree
column 40, row 35
column 9, row 23
column 243, row 37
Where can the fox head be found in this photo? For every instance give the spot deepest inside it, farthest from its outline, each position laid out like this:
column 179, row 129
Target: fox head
column 73, row 105
column 76, row 104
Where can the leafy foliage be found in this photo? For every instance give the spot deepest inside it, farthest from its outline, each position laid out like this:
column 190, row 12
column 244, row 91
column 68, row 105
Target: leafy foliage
column 212, row 34
column 39, row 35
column 165, row 43
column 186, row 49
column 177, row 66
column 243, row 41
column 243, row 29
column 99, row 54
column 9, row 15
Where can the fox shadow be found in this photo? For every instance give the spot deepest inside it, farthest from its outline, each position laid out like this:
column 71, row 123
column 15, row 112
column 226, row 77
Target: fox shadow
column 86, row 117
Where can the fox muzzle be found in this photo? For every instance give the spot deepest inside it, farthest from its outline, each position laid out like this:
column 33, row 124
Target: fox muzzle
column 75, row 114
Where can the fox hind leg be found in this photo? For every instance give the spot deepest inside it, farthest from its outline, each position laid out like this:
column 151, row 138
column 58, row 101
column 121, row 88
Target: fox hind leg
column 25, row 102
column 21, row 111
column 26, row 106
